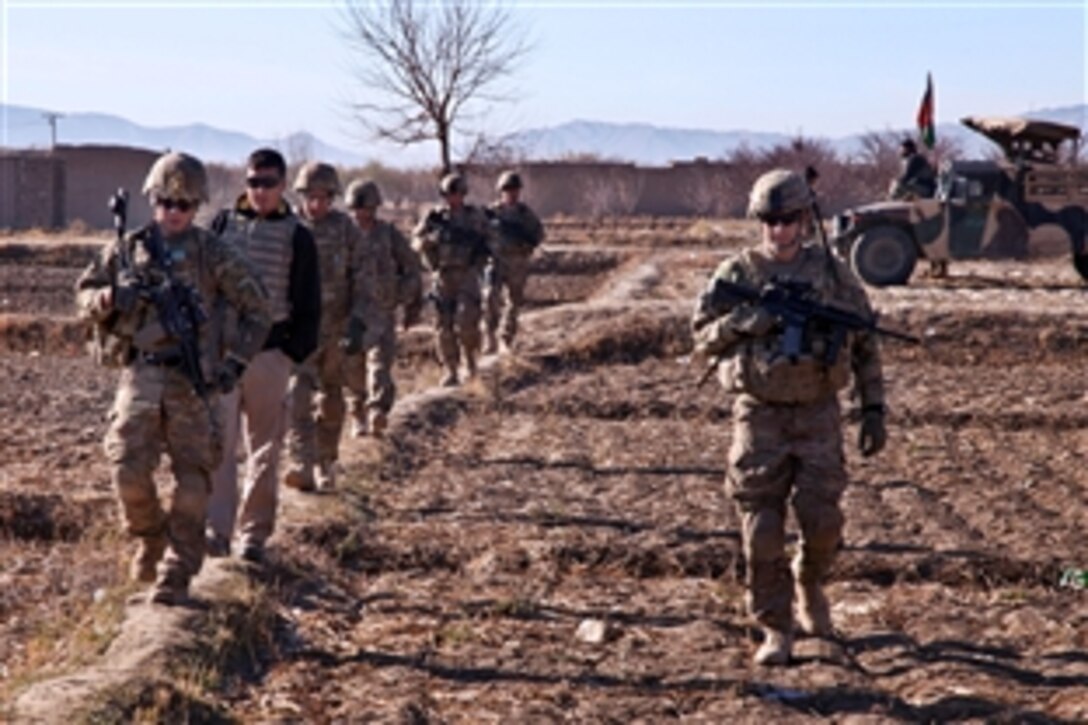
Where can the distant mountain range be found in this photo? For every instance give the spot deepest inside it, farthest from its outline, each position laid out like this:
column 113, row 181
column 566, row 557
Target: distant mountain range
column 635, row 142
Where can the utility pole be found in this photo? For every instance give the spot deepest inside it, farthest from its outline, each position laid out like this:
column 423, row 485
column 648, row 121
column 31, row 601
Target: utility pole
column 51, row 118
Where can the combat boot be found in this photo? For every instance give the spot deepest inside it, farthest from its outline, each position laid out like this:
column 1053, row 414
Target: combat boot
column 775, row 649
column 172, row 588
column 449, row 380
column 326, row 476
column 148, row 554
column 491, row 345
column 300, row 478
column 813, row 609
column 379, row 421
column 470, row 366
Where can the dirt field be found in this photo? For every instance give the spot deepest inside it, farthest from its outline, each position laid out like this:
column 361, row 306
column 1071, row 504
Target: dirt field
column 579, row 482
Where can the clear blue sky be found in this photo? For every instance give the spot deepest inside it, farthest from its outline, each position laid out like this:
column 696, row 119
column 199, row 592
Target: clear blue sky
column 831, row 68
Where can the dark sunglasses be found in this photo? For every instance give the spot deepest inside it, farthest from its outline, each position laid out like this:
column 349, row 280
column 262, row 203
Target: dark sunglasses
column 262, row 182
column 182, row 205
column 774, row 220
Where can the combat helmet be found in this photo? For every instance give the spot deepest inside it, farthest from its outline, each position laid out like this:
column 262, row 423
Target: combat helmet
column 778, row 192
column 453, row 184
column 508, row 180
column 363, row 193
column 317, row 176
column 177, row 175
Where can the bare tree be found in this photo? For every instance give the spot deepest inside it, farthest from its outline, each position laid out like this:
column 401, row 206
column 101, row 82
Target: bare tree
column 427, row 64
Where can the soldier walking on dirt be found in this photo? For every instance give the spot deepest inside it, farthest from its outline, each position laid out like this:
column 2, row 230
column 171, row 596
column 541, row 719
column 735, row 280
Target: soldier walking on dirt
column 167, row 396
column 398, row 280
column 347, row 283
column 262, row 226
column 454, row 240
column 519, row 233
column 787, row 437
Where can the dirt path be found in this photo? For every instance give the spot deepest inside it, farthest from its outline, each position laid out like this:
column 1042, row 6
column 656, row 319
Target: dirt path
column 579, row 483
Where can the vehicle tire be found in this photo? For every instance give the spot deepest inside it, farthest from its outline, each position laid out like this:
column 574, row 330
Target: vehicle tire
column 884, row 256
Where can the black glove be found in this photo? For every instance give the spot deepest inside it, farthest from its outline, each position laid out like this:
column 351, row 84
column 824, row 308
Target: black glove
column 228, row 374
column 126, row 292
column 352, row 344
column 873, row 435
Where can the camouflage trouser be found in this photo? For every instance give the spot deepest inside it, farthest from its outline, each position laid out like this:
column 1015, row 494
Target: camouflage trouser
column 313, row 436
column 509, row 271
column 457, row 323
column 258, row 401
column 786, row 454
column 156, row 410
column 370, row 374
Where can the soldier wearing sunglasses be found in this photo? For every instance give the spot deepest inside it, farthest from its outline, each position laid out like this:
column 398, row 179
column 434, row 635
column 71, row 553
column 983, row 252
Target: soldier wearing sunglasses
column 262, row 225
column 161, row 404
column 787, row 424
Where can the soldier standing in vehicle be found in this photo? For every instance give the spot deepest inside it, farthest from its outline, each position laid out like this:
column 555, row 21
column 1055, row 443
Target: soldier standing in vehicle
column 161, row 403
column 519, row 233
column 398, row 280
column 262, row 226
column 916, row 177
column 347, row 283
column 787, row 436
column 454, row 240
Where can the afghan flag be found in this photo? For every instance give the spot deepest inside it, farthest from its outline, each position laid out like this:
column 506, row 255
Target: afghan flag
column 926, row 131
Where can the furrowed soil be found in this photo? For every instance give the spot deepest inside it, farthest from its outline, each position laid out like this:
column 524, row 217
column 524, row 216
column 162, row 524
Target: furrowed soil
column 577, row 484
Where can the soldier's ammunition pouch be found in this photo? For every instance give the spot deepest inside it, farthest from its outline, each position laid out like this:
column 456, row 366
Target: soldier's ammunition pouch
column 759, row 369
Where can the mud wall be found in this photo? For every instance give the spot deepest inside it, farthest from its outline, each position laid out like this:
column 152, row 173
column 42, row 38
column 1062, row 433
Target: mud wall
column 31, row 190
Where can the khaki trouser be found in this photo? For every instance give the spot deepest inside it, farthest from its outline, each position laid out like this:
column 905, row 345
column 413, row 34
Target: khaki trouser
column 157, row 410
column 509, row 271
column 316, row 401
column 255, row 411
column 457, row 324
column 369, row 375
column 786, row 454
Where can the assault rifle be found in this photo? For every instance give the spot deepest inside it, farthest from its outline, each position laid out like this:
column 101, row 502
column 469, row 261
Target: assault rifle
column 178, row 305
column 511, row 228
column 795, row 305
column 459, row 236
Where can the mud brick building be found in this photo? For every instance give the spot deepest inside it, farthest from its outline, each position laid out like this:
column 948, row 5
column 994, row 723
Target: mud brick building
column 52, row 189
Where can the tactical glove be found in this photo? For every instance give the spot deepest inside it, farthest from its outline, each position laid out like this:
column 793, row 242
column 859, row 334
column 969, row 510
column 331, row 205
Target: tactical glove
column 126, row 292
column 352, row 343
column 228, row 374
column 873, row 435
column 752, row 321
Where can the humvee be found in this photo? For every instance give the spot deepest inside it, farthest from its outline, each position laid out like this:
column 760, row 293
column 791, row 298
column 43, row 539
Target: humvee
column 981, row 210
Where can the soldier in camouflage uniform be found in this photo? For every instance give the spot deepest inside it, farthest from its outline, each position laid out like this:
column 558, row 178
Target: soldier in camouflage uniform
column 787, row 438
column 518, row 233
column 347, row 281
column 454, row 240
column 916, row 179
column 398, row 281
column 157, row 406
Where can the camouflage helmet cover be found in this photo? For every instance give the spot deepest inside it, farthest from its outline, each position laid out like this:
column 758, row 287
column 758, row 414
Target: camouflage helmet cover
column 453, row 184
column 363, row 193
column 317, row 176
column 177, row 175
column 778, row 192
column 508, row 180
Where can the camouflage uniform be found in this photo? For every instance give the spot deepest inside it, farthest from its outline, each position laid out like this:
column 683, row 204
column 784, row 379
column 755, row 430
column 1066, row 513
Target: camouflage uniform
column 398, row 281
column 454, row 244
column 787, row 440
column 347, row 282
column 157, row 408
column 916, row 176
column 519, row 233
